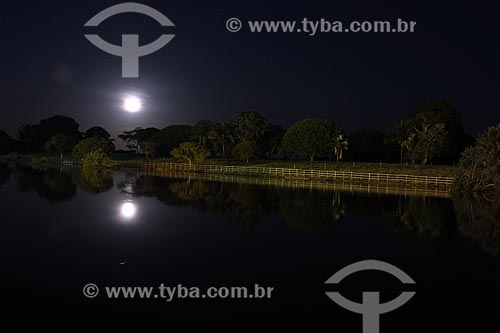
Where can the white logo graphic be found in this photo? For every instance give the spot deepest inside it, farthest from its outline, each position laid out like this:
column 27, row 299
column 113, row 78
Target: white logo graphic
column 371, row 308
column 130, row 51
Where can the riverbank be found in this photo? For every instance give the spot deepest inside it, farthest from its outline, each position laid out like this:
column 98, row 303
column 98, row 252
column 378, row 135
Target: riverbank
column 397, row 168
column 365, row 167
column 418, row 177
column 427, row 183
column 391, row 168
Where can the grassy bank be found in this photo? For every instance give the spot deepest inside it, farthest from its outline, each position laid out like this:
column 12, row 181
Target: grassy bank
column 346, row 173
column 391, row 168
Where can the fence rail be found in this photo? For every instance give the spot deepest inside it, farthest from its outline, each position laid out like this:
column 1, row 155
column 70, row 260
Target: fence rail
column 411, row 181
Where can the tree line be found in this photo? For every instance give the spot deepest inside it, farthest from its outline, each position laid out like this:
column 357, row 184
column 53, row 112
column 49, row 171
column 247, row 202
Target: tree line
column 430, row 133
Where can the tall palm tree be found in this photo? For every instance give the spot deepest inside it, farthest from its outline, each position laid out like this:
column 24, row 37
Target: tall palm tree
column 27, row 135
column 222, row 134
column 201, row 132
column 249, row 126
column 402, row 135
column 339, row 144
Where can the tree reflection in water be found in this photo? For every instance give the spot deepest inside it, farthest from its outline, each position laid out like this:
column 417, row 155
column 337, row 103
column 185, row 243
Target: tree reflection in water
column 478, row 217
column 61, row 184
column 312, row 210
column 4, row 174
column 245, row 204
column 51, row 184
column 93, row 181
column 427, row 223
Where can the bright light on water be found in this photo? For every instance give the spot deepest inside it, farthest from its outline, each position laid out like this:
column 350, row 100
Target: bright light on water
column 128, row 210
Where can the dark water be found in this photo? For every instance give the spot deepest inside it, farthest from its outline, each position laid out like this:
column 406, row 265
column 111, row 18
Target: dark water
column 61, row 230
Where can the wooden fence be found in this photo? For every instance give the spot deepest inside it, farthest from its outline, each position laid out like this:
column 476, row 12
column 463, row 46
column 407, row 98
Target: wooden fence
column 407, row 181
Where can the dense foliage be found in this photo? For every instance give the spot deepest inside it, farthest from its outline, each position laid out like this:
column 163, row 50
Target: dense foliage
column 59, row 143
column 191, row 152
column 86, row 146
column 245, row 151
column 311, row 137
column 479, row 166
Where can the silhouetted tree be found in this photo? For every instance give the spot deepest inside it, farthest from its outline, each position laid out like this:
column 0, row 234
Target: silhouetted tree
column 5, row 143
column 367, row 145
column 428, row 115
column 271, row 142
column 400, row 135
column 141, row 140
column 26, row 135
column 245, row 151
column 340, row 143
column 146, row 140
column 34, row 137
column 59, row 144
column 222, row 134
column 98, row 132
column 310, row 137
column 248, row 126
column 202, row 132
column 130, row 139
column 427, row 142
column 171, row 137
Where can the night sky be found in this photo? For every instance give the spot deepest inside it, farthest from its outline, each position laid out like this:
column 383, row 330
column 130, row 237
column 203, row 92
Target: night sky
column 355, row 79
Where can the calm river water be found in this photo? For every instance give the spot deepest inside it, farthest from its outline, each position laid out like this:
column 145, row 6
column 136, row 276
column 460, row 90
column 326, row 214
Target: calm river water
column 63, row 229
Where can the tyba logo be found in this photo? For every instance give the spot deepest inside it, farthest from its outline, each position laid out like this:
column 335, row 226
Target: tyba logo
column 371, row 308
column 130, row 51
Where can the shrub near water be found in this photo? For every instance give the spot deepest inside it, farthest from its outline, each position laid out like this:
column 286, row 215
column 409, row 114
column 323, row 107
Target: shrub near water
column 479, row 166
column 97, row 159
column 93, row 144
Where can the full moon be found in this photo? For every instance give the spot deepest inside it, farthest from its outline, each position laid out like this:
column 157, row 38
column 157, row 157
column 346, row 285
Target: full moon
column 132, row 104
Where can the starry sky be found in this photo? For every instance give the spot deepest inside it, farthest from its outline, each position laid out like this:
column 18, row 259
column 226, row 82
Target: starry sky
column 355, row 79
